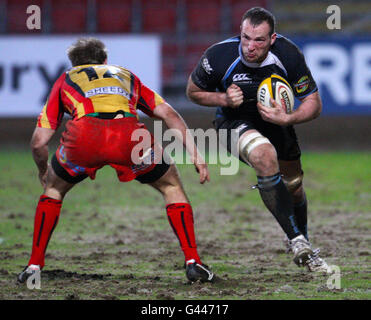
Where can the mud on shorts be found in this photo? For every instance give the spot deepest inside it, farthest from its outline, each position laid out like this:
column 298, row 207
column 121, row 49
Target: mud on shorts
column 284, row 139
column 89, row 144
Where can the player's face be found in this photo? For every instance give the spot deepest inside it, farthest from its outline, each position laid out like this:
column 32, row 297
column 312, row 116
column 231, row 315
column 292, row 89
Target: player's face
column 256, row 41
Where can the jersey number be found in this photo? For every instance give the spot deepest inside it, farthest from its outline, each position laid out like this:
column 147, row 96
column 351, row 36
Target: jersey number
column 92, row 74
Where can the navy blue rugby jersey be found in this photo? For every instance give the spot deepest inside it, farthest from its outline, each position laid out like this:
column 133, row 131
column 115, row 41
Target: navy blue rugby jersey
column 223, row 64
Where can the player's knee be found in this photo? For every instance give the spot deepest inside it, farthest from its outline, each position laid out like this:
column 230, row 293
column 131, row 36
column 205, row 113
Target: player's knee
column 56, row 187
column 54, row 193
column 257, row 150
column 169, row 181
column 171, row 187
column 264, row 160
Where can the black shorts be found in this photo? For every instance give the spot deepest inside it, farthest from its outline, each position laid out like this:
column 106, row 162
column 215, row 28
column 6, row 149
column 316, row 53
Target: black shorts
column 156, row 173
column 282, row 138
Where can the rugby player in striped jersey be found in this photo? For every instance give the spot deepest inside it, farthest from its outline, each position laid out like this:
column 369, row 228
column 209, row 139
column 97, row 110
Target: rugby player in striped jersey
column 103, row 101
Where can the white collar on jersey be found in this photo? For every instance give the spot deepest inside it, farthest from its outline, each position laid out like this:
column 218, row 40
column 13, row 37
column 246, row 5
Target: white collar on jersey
column 271, row 58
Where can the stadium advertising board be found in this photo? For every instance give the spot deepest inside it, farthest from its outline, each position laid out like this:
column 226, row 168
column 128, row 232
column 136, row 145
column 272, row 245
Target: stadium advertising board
column 342, row 70
column 29, row 65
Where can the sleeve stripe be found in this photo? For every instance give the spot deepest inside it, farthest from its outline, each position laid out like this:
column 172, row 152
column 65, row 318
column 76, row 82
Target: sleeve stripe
column 143, row 103
column 158, row 99
column 301, row 97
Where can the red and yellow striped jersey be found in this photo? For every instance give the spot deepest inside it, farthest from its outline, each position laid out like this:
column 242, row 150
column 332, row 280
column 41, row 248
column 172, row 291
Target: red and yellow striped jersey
column 96, row 88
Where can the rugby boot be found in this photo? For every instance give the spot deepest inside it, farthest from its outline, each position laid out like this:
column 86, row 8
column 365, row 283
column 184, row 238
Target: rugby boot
column 317, row 264
column 27, row 272
column 196, row 271
column 301, row 249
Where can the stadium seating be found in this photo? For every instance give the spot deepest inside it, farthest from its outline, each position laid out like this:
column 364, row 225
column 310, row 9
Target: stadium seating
column 169, row 59
column 187, row 27
column 69, row 16
column 114, row 16
column 239, row 7
column 203, row 16
column 159, row 16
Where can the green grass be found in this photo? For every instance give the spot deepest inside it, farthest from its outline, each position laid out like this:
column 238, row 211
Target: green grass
column 116, row 239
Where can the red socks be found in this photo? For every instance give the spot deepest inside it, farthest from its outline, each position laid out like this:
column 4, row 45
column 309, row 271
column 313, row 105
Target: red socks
column 180, row 217
column 46, row 218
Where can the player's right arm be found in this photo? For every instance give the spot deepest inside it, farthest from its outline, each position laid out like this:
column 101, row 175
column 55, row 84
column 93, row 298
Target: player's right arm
column 47, row 123
column 206, row 78
column 39, row 147
column 232, row 98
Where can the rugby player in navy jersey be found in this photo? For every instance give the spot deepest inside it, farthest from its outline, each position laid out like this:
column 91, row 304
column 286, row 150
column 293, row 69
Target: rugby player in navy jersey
column 227, row 77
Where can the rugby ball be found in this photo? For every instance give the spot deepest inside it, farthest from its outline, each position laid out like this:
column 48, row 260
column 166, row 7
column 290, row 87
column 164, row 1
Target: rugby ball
column 277, row 88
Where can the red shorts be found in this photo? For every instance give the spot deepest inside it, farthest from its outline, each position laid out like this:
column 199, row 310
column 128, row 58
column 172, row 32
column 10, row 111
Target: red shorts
column 90, row 143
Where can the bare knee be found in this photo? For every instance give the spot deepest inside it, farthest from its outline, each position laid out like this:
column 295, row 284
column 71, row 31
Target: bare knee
column 264, row 160
column 170, row 186
column 56, row 187
column 258, row 151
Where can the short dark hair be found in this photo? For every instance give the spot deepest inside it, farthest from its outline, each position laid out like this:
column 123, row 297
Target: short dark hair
column 257, row 15
column 87, row 51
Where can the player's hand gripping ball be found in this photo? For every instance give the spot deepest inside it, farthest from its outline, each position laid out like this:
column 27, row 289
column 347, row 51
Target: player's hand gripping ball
column 278, row 89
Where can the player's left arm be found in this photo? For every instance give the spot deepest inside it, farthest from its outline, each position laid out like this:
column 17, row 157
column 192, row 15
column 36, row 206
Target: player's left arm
column 304, row 88
column 39, row 147
column 309, row 109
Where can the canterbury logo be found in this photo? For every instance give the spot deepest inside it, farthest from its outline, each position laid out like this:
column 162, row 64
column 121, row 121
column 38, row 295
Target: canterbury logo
column 240, row 127
column 206, row 66
column 240, row 77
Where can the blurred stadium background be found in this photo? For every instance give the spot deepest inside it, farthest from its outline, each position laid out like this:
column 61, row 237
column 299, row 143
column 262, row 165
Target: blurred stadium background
column 339, row 59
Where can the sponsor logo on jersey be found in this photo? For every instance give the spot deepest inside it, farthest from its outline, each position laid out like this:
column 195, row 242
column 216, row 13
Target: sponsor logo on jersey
column 107, row 90
column 240, row 77
column 206, row 65
column 302, row 84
